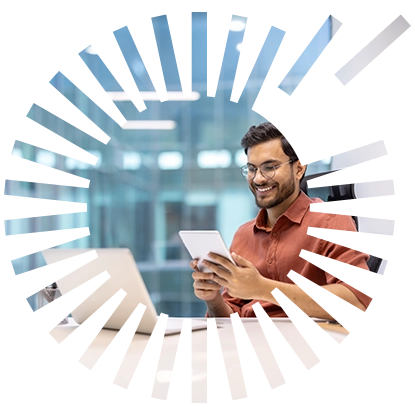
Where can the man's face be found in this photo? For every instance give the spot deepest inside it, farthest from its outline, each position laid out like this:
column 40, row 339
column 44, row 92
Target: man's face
column 271, row 192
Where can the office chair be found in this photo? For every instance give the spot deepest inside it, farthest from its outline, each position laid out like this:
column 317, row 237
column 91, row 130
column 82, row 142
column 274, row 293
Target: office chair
column 333, row 193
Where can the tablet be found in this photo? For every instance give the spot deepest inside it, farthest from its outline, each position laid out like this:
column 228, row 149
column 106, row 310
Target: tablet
column 200, row 243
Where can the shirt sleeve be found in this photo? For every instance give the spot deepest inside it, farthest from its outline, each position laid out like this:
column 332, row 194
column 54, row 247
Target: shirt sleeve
column 343, row 263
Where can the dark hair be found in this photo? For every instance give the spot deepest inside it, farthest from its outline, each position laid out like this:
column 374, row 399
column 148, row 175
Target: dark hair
column 266, row 132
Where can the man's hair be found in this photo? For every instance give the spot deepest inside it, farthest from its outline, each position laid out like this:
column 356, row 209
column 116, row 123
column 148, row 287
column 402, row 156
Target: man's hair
column 266, row 132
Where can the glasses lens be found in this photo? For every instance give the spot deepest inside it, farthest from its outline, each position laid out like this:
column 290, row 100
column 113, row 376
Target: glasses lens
column 268, row 170
column 248, row 171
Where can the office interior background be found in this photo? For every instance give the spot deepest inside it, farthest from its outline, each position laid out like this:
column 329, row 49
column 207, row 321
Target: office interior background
column 130, row 168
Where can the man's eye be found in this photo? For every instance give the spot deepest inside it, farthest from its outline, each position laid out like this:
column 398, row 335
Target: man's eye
column 268, row 168
column 251, row 169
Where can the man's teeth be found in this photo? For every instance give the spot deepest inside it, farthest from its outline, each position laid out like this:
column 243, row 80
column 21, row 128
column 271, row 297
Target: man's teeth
column 264, row 190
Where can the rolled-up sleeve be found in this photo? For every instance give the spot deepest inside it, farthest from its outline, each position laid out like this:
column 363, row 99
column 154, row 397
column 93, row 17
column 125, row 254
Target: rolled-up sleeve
column 345, row 255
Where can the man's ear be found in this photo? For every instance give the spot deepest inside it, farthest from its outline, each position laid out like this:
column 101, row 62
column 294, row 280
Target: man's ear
column 300, row 170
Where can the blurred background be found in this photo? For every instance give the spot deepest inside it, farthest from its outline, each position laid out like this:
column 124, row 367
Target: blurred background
column 180, row 172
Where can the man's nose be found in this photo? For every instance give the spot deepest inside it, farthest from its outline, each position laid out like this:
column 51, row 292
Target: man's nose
column 259, row 178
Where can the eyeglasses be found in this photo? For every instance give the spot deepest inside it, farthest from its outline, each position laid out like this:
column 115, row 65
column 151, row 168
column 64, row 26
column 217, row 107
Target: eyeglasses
column 267, row 170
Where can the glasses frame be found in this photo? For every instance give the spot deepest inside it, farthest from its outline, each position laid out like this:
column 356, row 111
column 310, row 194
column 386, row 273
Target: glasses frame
column 267, row 176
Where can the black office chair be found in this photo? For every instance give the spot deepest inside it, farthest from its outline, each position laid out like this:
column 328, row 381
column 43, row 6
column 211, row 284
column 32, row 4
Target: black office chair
column 333, row 193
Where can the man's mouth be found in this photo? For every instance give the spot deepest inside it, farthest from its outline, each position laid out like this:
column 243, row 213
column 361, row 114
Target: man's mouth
column 264, row 190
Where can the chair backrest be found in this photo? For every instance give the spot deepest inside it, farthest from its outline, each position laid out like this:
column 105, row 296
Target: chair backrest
column 333, row 193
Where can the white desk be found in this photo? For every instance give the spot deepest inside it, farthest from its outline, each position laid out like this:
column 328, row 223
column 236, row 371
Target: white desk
column 246, row 364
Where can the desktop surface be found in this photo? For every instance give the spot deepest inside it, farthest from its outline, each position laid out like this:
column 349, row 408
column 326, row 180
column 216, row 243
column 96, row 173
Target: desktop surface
column 246, row 363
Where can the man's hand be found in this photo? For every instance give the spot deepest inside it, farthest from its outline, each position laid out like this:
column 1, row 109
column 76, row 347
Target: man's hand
column 204, row 287
column 241, row 280
column 208, row 290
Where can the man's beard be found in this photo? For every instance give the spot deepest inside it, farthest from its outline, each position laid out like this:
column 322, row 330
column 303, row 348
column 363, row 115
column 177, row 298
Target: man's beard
column 283, row 193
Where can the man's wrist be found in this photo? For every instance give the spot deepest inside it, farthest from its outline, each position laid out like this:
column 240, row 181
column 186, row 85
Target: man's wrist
column 266, row 287
column 218, row 308
column 216, row 303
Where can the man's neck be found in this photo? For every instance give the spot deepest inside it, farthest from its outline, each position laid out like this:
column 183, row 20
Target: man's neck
column 275, row 213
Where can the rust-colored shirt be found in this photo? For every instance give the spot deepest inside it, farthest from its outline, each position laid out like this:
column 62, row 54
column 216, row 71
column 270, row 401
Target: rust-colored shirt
column 275, row 252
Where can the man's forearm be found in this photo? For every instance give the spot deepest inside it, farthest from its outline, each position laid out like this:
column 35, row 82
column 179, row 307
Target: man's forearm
column 304, row 301
column 219, row 308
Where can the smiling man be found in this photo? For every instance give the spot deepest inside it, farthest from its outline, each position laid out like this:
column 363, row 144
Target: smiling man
column 268, row 247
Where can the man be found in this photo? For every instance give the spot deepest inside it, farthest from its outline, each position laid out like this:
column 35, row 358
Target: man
column 268, row 247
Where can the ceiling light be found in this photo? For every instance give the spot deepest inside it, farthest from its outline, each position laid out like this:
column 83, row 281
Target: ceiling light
column 46, row 158
column 241, row 46
column 237, row 25
column 168, row 96
column 211, row 159
column 91, row 51
column 17, row 152
column 170, row 160
column 72, row 164
column 153, row 96
column 149, row 125
column 131, row 160
column 118, row 96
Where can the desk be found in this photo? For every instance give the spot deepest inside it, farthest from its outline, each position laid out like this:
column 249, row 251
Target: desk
column 370, row 324
column 247, row 363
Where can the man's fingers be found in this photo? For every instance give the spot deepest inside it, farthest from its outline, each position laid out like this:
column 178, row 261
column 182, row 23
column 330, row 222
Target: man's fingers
column 206, row 285
column 241, row 261
column 202, row 275
column 218, row 270
column 193, row 264
column 220, row 260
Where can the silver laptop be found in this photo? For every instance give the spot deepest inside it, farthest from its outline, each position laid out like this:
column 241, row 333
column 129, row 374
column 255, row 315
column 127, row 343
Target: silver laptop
column 120, row 265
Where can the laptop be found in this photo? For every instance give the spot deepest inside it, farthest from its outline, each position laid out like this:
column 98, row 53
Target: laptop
column 121, row 266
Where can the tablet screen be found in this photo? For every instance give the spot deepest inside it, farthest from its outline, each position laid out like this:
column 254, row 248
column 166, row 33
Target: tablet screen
column 200, row 243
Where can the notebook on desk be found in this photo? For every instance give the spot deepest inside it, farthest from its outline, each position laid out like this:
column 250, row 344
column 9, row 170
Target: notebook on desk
column 120, row 265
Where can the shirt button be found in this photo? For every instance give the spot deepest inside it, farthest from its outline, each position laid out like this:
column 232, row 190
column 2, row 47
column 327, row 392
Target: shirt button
column 269, row 261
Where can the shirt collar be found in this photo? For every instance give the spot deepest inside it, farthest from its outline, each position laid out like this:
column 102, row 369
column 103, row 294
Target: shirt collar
column 294, row 213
